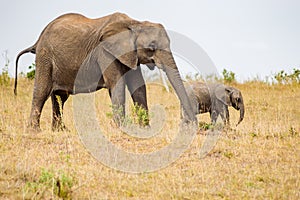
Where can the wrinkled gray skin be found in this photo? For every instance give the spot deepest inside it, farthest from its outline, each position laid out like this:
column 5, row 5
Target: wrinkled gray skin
column 99, row 52
column 215, row 99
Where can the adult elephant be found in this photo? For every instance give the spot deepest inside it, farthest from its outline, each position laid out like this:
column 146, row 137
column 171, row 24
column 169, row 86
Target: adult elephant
column 215, row 99
column 101, row 51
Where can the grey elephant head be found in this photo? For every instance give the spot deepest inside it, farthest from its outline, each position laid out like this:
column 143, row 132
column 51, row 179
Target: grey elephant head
column 231, row 96
column 133, row 43
column 237, row 101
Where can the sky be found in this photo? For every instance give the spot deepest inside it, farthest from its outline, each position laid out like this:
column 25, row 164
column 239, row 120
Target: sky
column 251, row 38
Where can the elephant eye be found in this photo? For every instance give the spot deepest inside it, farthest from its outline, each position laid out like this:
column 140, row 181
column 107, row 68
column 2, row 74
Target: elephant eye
column 150, row 51
column 152, row 46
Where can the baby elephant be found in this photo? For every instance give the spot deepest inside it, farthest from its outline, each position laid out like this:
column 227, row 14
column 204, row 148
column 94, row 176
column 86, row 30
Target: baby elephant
column 215, row 99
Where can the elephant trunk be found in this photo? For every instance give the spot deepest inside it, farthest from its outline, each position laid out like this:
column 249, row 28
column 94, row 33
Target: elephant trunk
column 242, row 112
column 173, row 75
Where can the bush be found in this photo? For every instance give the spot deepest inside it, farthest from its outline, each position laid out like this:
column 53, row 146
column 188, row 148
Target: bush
column 283, row 77
column 31, row 74
column 140, row 115
column 58, row 183
column 228, row 76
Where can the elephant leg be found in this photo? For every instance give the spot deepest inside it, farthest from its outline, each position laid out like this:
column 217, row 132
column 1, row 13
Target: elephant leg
column 117, row 95
column 41, row 92
column 213, row 116
column 227, row 122
column 58, row 99
column 137, row 88
column 224, row 114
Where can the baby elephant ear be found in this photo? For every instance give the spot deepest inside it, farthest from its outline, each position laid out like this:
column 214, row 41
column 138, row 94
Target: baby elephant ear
column 118, row 40
column 223, row 94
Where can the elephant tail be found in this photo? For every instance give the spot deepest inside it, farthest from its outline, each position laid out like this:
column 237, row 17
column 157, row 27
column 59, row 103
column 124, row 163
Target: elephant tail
column 28, row 50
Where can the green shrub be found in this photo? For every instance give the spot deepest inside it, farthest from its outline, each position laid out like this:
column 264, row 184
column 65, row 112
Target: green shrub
column 58, row 183
column 31, row 74
column 205, row 126
column 228, row 76
column 283, row 77
column 140, row 115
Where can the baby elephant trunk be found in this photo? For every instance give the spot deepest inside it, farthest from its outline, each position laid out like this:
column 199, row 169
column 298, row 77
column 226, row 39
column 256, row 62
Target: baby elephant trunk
column 242, row 113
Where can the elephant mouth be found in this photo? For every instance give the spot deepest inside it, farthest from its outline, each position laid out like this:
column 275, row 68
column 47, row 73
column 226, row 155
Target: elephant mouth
column 151, row 65
column 235, row 106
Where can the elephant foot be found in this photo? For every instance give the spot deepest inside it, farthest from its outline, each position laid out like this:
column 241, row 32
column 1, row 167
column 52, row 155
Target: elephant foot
column 33, row 129
column 58, row 127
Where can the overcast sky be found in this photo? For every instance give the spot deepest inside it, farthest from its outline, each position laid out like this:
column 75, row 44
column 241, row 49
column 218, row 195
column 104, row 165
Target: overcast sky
column 253, row 37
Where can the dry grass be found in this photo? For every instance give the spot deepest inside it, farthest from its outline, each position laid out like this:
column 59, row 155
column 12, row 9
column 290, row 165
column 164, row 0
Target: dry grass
column 259, row 159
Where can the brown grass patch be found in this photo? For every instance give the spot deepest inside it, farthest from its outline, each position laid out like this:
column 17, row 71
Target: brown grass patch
column 258, row 159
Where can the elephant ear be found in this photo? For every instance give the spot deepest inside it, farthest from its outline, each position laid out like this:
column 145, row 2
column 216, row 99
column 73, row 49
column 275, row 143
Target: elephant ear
column 223, row 93
column 119, row 40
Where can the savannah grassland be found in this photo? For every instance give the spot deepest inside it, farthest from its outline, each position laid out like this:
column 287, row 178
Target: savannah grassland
column 259, row 159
